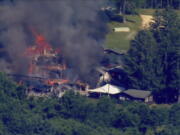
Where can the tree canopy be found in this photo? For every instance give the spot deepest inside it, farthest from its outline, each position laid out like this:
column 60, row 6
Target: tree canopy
column 153, row 60
column 74, row 114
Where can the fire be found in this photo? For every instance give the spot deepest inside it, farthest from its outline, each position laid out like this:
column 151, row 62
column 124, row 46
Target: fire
column 42, row 45
column 44, row 50
column 41, row 48
column 57, row 67
column 56, row 81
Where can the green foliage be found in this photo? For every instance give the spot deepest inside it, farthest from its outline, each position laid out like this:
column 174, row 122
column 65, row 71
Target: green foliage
column 74, row 114
column 132, row 131
column 105, row 111
column 166, row 31
column 71, row 103
column 140, row 64
column 174, row 115
column 169, row 130
column 153, row 60
column 10, row 89
column 148, row 3
column 121, row 40
column 126, row 119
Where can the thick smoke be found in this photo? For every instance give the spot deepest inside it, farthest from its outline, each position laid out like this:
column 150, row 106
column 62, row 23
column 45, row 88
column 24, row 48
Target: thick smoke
column 76, row 26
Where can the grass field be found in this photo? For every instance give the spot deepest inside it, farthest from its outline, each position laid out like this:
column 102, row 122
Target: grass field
column 121, row 40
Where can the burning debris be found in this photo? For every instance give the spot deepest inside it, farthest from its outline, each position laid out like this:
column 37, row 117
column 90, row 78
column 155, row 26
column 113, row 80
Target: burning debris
column 43, row 57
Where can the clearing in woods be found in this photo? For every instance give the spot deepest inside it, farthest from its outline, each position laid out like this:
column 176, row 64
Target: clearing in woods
column 121, row 40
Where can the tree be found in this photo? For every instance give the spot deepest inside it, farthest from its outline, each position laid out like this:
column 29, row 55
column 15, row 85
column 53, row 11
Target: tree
column 126, row 119
column 153, row 60
column 121, row 7
column 9, row 89
column 174, row 115
column 166, row 30
column 132, row 131
column 126, row 7
column 140, row 3
column 141, row 62
column 105, row 111
column 169, row 130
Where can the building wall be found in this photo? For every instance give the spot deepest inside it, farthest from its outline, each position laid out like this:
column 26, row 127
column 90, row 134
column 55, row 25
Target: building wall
column 149, row 99
column 125, row 97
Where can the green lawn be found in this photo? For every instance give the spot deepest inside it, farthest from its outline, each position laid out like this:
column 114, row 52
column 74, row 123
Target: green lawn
column 121, row 40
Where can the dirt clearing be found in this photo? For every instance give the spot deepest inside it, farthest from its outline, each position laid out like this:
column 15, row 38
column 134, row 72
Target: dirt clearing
column 146, row 20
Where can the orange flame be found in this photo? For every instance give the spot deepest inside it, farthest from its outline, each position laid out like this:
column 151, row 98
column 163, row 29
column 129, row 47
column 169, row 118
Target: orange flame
column 57, row 67
column 42, row 47
column 56, row 81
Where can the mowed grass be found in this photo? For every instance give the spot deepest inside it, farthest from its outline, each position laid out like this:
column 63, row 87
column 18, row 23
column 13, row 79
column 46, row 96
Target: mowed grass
column 121, row 40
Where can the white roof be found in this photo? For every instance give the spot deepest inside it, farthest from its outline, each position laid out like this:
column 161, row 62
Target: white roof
column 122, row 29
column 107, row 89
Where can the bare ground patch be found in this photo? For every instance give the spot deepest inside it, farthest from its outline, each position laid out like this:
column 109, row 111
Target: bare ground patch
column 146, row 20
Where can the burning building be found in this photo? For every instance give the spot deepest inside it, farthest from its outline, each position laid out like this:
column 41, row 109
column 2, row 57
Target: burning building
column 59, row 41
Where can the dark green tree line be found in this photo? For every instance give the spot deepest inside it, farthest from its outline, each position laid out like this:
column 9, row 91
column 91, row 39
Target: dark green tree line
column 129, row 6
column 153, row 61
column 74, row 114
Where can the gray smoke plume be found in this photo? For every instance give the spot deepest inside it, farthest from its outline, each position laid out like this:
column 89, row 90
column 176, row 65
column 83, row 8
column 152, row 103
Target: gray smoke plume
column 76, row 26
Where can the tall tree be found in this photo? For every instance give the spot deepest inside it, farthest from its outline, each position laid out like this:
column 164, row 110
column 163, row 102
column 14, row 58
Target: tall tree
column 141, row 62
column 166, row 31
column 121, row 7
column 153, row 61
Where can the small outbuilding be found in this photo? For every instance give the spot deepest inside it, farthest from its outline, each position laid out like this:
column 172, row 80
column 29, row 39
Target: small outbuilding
column 121, row 29
column 136, row 95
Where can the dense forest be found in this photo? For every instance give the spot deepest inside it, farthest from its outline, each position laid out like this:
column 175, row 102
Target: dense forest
column 122, row 7
column 77, row 115
column 153, row 60
column 131, row 4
